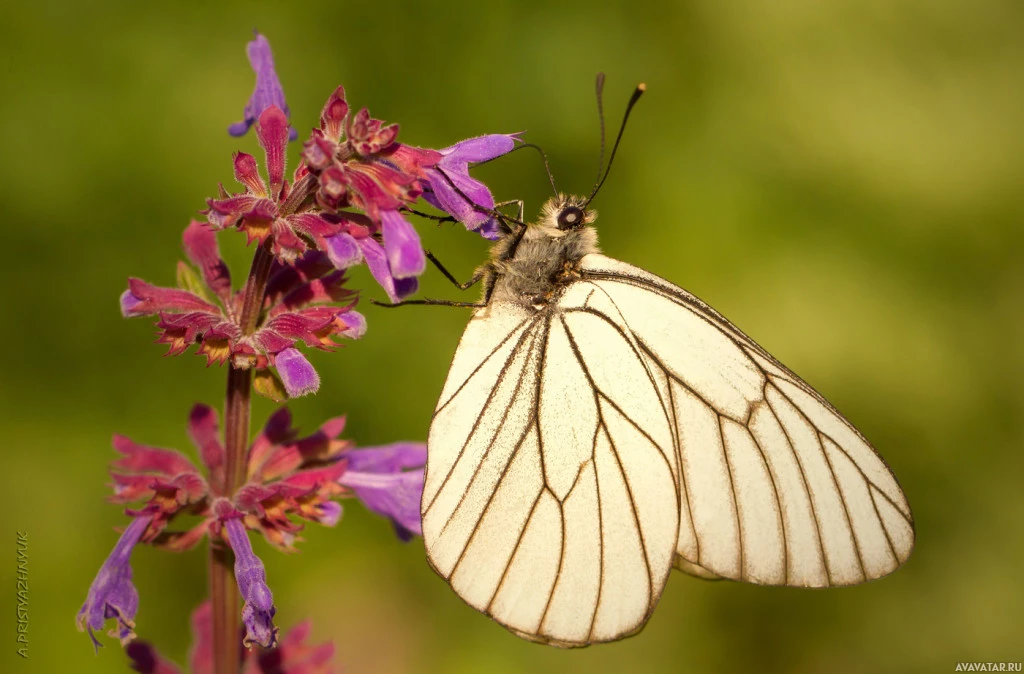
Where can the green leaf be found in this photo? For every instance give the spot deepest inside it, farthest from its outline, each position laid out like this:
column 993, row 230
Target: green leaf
column 189, row 280
column 269, row 385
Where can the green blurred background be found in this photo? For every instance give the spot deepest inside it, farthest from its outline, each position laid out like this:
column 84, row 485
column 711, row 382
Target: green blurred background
column 842, row 179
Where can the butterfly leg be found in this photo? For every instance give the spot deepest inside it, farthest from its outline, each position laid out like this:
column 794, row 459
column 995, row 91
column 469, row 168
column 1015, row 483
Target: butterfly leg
column 483, row 274
column 431, row 302
column 448, row 275
column 438, row 218
column 518, row 202
column 493, row 212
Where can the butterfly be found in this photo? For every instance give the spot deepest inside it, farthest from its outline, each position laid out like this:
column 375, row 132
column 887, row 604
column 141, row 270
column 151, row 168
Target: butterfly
column 600, row 426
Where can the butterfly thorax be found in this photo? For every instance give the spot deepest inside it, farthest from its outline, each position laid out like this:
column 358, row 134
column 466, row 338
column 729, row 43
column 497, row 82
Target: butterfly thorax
column 529, row 267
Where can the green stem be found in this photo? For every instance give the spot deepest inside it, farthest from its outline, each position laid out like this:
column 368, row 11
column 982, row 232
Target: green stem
column 223, row 588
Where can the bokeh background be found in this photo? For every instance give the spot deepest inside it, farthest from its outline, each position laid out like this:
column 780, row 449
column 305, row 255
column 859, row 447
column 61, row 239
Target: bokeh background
column 842, row 179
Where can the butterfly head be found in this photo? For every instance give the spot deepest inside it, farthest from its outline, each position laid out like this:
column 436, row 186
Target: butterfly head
column 564, row 214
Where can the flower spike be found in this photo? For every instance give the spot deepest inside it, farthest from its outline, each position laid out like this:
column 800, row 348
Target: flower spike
column 345, row 203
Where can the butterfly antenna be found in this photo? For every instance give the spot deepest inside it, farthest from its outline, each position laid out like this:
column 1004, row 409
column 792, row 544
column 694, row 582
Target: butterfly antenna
column 547, row 167
column 543, row 157
column 637, row 93
column 599, row 86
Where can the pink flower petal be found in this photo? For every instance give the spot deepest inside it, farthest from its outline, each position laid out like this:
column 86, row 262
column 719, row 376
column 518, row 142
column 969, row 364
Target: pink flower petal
column 272, row 131
column 200, row 245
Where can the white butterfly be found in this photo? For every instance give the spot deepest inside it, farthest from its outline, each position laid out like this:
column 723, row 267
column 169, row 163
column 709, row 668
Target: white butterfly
column 600, row 425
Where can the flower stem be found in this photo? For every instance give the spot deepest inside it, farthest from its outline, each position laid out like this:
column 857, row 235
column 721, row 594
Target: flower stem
column 225, row 597
column 255, row 287
column 223, row 588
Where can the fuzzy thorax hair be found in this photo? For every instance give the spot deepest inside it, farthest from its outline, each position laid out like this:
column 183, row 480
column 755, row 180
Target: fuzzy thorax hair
column 529, row 269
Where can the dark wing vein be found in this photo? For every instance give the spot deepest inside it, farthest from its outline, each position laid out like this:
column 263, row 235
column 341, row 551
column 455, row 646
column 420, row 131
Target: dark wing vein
column 483, row 409
column 636, row 515
column 536, row 399
column 684, row 489
column 778, row 506
column 643, row 364
column 732, row 488
column 885, row 530
column 842, row 499
column 487, row 506
column 600, row 530
column 899, row 509
column 615, row 452
column 673, row 376
column 807, row 488
column 512, row 557
column 561, row 563
column 483, row 362
column 497, row 430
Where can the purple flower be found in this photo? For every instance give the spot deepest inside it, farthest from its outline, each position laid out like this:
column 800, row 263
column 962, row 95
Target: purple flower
column 355, row 324
column 305, row 302
column 112, row 594
column 402, row 245
column 268, row 89
column 359, row 163
column 289, row 478
column 451, row 176
column 376, row 260
column 345, row 250
column 297, row 375
column 262, row 211
column 258, row 610
column 389, row 481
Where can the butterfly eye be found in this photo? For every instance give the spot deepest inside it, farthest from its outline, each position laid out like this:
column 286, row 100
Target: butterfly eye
column 571, row 218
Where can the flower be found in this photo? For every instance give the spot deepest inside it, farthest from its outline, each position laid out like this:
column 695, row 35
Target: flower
column 453, row 190
column 258, row 609
column 379, row 478
column 296, row 373
column 268, row 89
column 287, row 477
column 304, row 302
column 345, row 249
column 347, row 196
column 264, row 211
column 358, row 163
column 292, row 655
column 112, row 594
